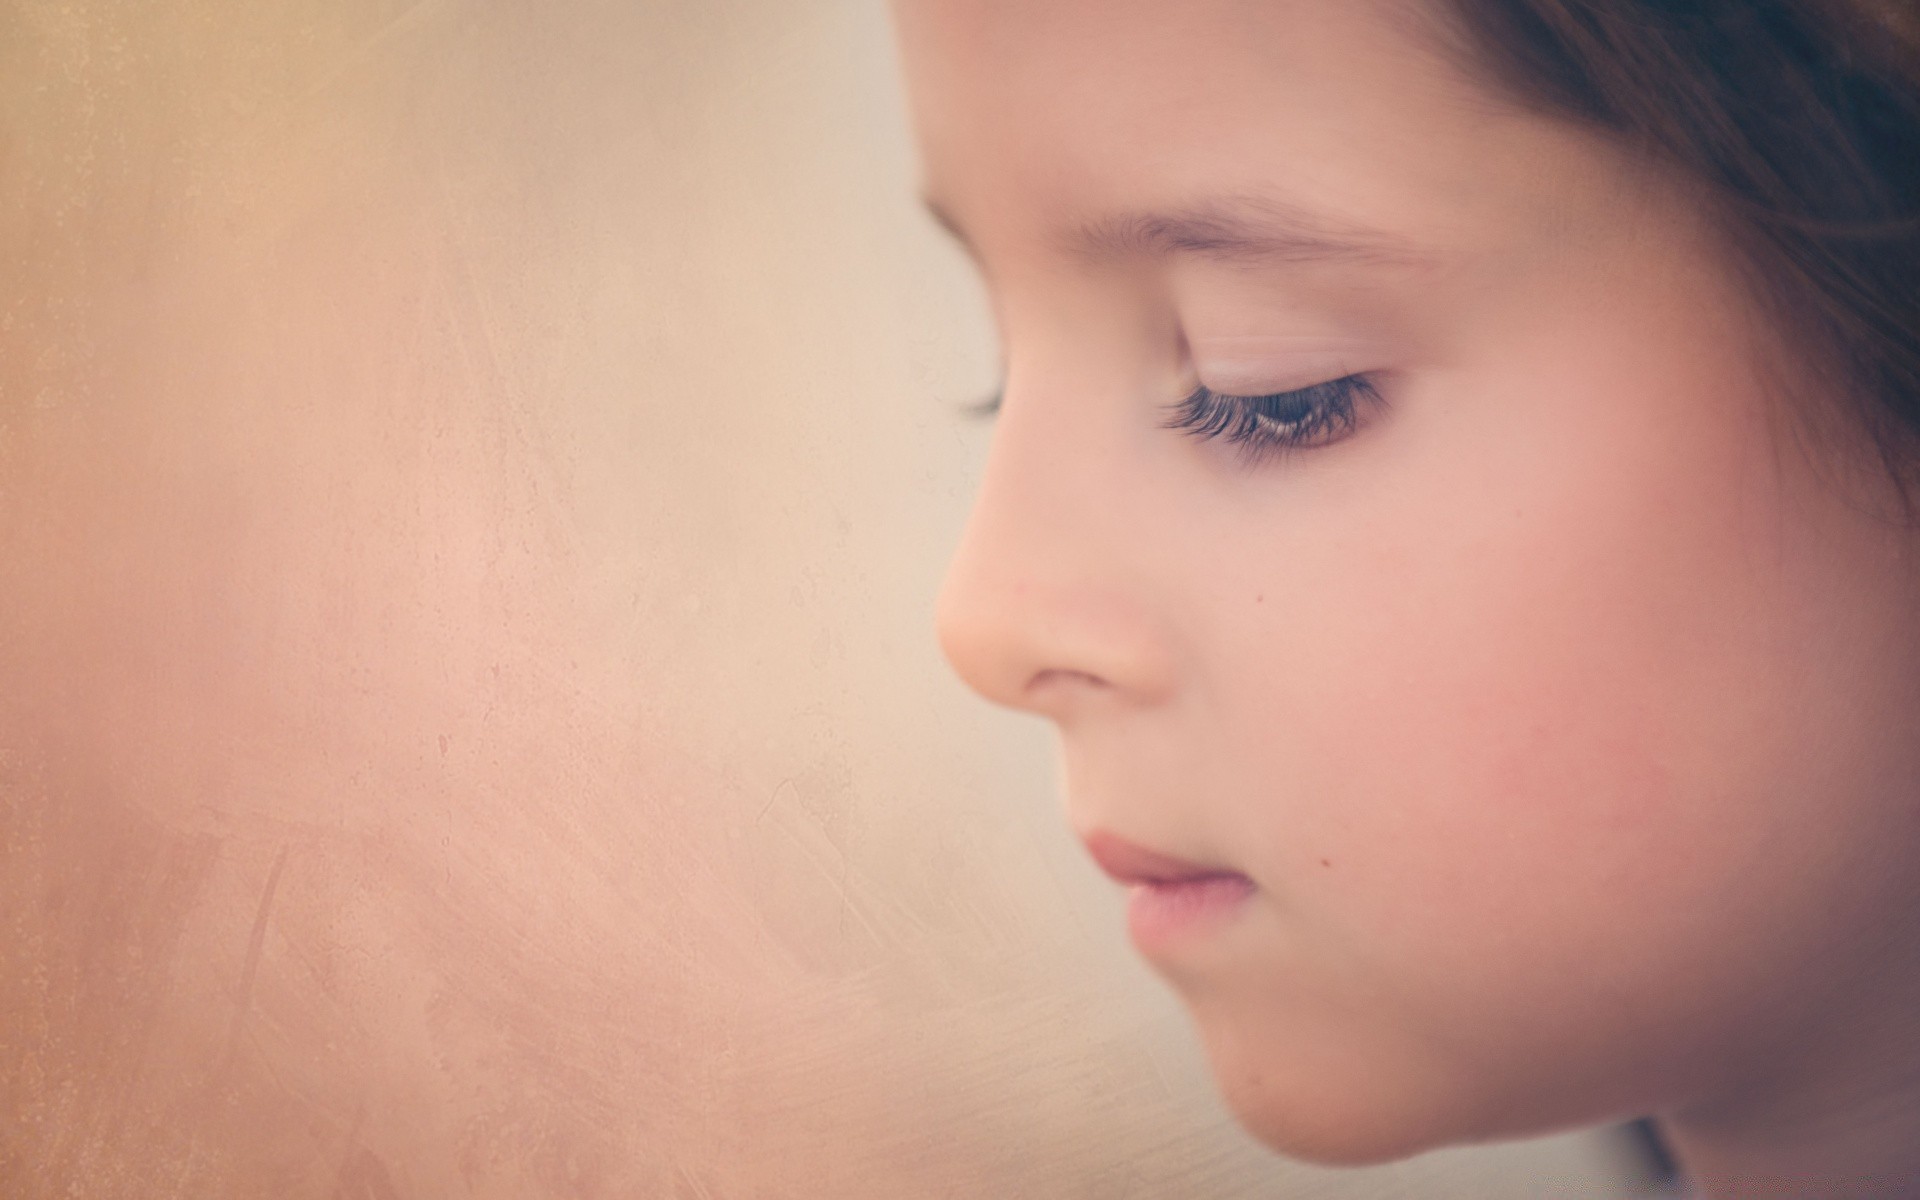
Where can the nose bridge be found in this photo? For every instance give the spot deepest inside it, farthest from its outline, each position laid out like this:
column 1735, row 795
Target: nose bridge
column 1045, row 603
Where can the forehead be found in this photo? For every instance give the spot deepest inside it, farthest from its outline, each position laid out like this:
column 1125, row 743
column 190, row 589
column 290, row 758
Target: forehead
column 1035, row 114
column 1094, row 56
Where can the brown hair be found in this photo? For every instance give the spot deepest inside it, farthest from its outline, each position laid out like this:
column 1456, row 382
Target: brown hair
column 1801, row 118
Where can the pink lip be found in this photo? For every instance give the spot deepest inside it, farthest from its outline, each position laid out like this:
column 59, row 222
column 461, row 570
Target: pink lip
column 1130, row 863
column 1170, row 899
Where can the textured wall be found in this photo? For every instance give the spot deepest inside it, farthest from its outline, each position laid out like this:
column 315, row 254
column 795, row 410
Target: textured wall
column 473, row 479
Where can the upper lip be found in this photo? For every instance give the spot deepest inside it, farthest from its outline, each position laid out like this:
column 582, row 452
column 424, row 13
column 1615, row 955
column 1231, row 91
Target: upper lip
column 1131, row 863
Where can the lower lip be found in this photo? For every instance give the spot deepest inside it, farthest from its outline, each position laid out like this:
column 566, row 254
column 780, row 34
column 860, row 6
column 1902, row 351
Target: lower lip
column 1164, row 915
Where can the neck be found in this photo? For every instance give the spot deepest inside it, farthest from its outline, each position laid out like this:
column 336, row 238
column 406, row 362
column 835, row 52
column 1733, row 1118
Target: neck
column 1849, row 1132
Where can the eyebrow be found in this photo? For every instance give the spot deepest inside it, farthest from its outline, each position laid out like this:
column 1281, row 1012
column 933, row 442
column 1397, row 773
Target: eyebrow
column 1247, row 231
column 1239, row 230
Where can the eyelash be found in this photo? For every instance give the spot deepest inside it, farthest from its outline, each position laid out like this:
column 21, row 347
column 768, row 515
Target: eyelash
column 1263, row 427
column 1266, row 427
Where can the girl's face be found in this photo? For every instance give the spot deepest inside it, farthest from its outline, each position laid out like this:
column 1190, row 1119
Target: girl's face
column 1554, row 693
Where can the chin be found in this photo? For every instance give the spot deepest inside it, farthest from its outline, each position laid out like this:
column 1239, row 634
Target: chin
column 1332, row 1135
column 1349, row 1110
column 1369, row 1114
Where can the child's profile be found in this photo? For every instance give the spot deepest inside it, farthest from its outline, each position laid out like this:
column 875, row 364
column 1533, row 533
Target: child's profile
column 1453, row 493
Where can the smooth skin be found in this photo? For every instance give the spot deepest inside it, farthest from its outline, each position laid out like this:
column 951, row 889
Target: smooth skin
column 1563, row 706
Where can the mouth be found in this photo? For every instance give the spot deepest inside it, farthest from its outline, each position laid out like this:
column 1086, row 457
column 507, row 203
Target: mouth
column 1170, row 900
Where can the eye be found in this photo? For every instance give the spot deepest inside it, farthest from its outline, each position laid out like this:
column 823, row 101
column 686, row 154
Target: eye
column 1264, row 427
column 986, row 407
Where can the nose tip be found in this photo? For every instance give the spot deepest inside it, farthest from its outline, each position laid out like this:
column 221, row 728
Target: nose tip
column 1046, row 643
column 981, row 643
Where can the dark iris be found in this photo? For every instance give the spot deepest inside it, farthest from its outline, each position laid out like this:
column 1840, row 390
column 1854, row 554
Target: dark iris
column 1260, row 425
column 1282, row 421
column 1286, row 408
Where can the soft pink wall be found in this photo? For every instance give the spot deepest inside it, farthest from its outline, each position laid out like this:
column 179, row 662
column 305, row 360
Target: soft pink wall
column 473, row 479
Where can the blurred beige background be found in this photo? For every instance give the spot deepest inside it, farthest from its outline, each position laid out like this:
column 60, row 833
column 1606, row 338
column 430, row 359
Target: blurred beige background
column 473, row 479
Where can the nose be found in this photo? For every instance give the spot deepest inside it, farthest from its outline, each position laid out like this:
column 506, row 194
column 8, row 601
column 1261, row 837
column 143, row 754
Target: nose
column 1051, row 603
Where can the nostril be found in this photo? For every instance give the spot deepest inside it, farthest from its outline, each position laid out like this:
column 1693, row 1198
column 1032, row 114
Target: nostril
column 1061, row 677
column 1056, row 692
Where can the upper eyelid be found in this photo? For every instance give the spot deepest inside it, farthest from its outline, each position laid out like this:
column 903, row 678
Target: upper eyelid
column 1351, row 384
column 1282, row 363
column 1270, row 393
column 1265, row 366
column 988, row 406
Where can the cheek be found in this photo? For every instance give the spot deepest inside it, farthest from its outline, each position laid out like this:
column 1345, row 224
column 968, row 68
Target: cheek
column 1523, row 646
column 1524, row 755
column 1532, row 724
